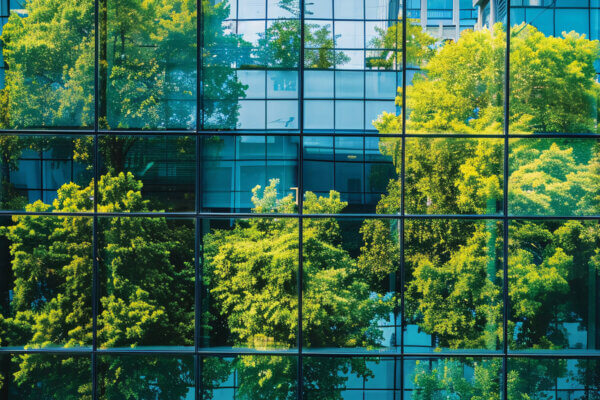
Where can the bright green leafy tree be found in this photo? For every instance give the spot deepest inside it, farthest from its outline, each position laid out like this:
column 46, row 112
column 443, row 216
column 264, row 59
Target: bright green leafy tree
column 146, row 302
column 252, row 274
column 452, row 282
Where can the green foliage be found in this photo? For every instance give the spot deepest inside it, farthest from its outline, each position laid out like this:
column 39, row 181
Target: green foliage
column 453, row 267
column 446, row 380
column 419, row 45
column 147, row 279
column 279, row 46
column 50, row 57
column 553, row 87
column 459, row 301
column 554, row 178
column 553, row 81
column 252, row 271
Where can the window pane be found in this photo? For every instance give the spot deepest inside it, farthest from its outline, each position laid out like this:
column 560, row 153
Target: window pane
column 49, row 50
column 318, row 114
column 553, row 378
column 358, row 170
column 349, row 9
column 554, row 177
column 161, row 170
column 232, row 167
column 46, row 282
column 548, row 96
column 349, row 84
column 348, row 303
column 318, row 84
column 454, row 176
column 453, row 285
column 250, row 269
column 349, row 115
column 148, row 377
column 464, row 378
column 351, row 378
column 148, row 66
column 44, row 168
column 249, row 377
column 146, row 282
column 458, row 87
column 559, row 260
column 45, row 376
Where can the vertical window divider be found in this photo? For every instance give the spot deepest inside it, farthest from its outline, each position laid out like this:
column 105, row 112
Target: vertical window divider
column 198, row 388
column 95, row 277
column 505, row 298
column 400, row 287
column 300, row 201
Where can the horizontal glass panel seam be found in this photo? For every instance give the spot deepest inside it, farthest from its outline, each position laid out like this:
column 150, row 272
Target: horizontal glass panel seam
column 498, row 217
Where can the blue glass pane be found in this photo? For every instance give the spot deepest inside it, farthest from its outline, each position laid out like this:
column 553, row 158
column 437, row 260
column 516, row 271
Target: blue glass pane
column 542, row 19
column 250, row 147
column 353, row 59
column 251, row 31
column 348, row 9
column 252, row 114
column 349, row 35
column 349, row 114
column 255, row 80
column 248, row 9
column 282, row 84
column 572, row 20
column 381, row 85
column 380, row 9
column 375, row 109
column 572, row 3
column 349, row 84
column 318, row 84
column 318, row 114
column 319, row 9
column 275, row 10
column 282, row 114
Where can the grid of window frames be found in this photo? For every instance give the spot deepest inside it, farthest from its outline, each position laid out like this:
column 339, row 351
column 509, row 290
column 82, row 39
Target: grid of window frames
column 287, row 199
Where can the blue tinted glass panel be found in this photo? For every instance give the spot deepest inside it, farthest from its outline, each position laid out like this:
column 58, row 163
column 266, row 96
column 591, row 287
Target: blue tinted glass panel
column 349, row 35
column 318, row 114
column 319, row 9
column 252, row 115
column 282, row 84
column 349, row 84
column 318, row 84
column 349, row 114
column 248, row 9
column 348, row 9
column 572, row 20
column 255, row 82
column 374, row 109
column 282, row 114
column 381, row 85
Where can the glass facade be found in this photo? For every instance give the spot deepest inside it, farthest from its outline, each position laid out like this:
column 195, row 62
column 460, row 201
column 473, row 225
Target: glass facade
column 299, row 199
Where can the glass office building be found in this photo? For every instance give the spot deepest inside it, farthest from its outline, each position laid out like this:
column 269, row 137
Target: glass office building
column 284, row 199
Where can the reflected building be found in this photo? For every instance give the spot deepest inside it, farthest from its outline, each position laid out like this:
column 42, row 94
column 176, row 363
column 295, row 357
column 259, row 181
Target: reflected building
column 444, row 19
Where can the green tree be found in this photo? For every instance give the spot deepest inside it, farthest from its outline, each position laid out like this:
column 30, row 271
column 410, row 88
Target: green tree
column 252, row 271
column 147, row 61
column 453, row 272
column 50, row 58
column 146, row 275
column 279, row 46
column 419, row 45
column 460, row 89
column 445, row 378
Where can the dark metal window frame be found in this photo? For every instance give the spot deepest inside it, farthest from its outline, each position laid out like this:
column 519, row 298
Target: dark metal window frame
column 398, row 354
